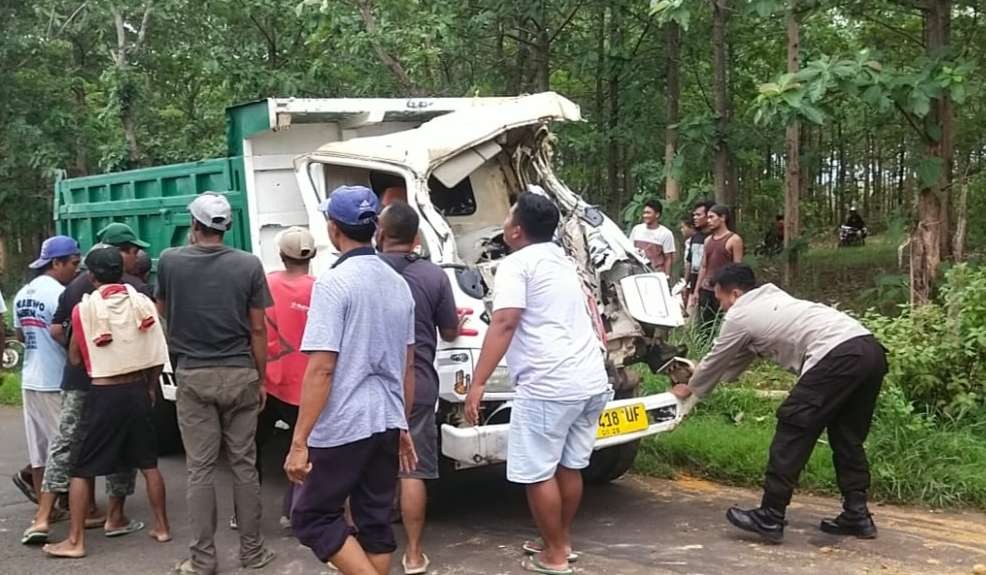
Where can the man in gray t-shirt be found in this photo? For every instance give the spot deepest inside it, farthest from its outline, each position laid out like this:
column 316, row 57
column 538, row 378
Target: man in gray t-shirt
column 213, row 298
column 350, row 439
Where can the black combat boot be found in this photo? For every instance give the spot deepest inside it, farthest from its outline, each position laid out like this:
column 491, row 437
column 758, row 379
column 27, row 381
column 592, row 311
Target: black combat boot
column 764, row 521
column 855, row 519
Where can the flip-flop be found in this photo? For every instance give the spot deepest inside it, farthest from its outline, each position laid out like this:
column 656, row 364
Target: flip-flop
column 534, row 565
column 48, row 552
column 536, row 547
column 415, row 570
column 132, row 527
column 34, row 536
column 95, row 522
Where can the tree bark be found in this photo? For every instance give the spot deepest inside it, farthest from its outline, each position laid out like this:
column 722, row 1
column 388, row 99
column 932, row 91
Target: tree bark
column 600, row 104
column 121, row 59
column 927, row 237
column 613, row 124
column 672, row 188
column 725, row 187
column 792, row 173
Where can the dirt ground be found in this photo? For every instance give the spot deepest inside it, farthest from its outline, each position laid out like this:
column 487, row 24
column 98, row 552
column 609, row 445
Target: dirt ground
column 635, row 526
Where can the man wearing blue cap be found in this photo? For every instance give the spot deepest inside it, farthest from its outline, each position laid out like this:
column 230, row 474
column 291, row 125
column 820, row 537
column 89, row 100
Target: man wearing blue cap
column 214, row 298
column 44, row 358
column 351, row 437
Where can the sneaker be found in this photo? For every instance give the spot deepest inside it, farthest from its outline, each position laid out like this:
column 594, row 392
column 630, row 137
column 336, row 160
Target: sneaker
column 265, row 558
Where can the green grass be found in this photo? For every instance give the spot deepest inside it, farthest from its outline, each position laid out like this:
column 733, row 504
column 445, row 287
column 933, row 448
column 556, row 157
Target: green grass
column 10, row 389
column 913, row 459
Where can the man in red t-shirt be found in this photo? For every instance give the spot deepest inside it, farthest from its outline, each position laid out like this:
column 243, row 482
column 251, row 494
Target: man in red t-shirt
column 292, row 292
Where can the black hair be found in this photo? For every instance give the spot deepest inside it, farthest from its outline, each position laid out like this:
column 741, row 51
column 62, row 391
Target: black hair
column 722, row 211
column 106, row 265
column 779, row 217
column 362, row 233
column 735, row 276
column 143, row 265
column 688, row 222
column 707, row 204
column 206, row 230
column 654, row 205
column 537, row 216
column 51, row 263
column 399, row 222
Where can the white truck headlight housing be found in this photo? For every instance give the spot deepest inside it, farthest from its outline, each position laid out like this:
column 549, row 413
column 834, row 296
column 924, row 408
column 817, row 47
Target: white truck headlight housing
column 500, row 381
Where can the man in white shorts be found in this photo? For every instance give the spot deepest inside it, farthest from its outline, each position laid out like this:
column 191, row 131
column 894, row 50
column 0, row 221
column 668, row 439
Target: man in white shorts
column 44, row 358
column 541, row 322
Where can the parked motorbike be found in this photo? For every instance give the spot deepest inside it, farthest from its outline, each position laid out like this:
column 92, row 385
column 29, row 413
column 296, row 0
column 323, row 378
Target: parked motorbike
column 850, row 236
column 13, row 352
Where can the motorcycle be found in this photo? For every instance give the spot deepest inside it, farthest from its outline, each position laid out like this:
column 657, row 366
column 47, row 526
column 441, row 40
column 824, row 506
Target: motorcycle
column 850, row 236
column 13, row 352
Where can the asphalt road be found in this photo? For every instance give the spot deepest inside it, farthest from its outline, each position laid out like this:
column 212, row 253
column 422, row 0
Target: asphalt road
column 635, row 526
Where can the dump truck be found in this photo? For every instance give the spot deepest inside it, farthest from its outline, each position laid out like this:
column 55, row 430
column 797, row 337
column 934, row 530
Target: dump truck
column 461, row 163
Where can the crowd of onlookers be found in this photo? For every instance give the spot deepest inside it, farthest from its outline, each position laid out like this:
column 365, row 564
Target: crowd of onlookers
column 346, row 361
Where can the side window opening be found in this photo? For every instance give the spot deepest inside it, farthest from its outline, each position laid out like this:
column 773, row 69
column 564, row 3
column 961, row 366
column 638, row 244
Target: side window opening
column 456, row 201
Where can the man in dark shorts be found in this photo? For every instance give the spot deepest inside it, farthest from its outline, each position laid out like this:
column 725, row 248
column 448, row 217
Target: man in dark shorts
column 213, row 298
column 116, row 335
column 841, row 368
column 722, row 246
column 75, row 384
column 351, row 438
column 434, row 309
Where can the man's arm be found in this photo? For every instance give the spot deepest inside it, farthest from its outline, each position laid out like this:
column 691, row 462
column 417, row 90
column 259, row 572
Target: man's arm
column 701, row 269
column 258, row 345
column 315, row 388
column 447, row 316
column 20, row 335
column 737, row 248
column 409, row 382
column 668, row 262
column 74, row 352
column 729, row 357
column 498, row 337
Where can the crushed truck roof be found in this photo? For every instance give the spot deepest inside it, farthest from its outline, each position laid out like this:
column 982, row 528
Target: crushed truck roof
column 424, row 147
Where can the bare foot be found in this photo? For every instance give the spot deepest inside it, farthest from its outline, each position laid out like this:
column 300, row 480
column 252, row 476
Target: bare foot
column 65, row 550
column 160, row 536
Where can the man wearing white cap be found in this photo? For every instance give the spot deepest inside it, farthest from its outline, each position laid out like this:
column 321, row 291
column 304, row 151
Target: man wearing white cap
column 292, row 293
column 214, row 298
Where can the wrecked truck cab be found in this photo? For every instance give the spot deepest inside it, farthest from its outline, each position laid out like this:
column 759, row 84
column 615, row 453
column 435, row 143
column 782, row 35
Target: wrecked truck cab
column 462, row 171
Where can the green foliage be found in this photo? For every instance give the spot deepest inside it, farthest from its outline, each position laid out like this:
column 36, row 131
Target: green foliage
column 938, row 351
column 10, row 389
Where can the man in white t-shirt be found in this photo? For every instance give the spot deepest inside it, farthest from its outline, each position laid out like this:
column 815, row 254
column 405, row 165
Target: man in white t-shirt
column 655, row 240
column 541, row 321
column 44, row 358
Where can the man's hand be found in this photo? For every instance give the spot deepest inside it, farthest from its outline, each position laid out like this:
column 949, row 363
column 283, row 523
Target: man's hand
column 408, row 456
column 681, row 391
column 296, row 465
column 473, row 398
column 693, row 299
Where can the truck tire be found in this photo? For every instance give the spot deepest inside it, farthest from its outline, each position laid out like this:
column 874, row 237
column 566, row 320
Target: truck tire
column 611, row 463
column 166, row 424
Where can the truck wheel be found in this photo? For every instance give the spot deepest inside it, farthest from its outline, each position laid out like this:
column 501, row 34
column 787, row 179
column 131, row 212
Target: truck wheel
column 611, row 463
column 166, row 424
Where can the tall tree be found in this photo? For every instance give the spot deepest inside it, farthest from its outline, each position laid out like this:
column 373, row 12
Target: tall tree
column 725, row 181
column 672, row 187
column 792, row 172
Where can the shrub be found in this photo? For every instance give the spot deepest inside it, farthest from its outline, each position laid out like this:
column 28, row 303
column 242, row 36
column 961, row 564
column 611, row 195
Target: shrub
column 938, row 351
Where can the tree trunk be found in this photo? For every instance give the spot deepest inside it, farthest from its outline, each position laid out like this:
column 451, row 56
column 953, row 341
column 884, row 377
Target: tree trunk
column 792, row 173
column 725, row 189
column 614, row 164
column 672, row 188
column 927, row 237
column 600, row 104
column 542, row 72
column 958, row 247
column 391, row 61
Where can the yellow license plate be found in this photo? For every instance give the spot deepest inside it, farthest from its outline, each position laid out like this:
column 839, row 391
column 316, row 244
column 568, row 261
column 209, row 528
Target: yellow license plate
column 622, row 420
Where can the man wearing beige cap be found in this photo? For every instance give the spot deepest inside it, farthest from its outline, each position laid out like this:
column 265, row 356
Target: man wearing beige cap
column 214, row 298
column 292, row 293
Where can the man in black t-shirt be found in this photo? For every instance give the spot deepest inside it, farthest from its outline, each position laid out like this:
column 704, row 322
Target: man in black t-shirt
column 75, row 384
column 434, row 310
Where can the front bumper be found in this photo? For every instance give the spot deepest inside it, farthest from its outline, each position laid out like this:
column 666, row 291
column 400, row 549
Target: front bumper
column 487, row 444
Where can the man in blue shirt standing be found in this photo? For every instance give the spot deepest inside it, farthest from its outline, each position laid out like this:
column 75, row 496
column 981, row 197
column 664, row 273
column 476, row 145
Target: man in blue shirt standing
column 351, row 437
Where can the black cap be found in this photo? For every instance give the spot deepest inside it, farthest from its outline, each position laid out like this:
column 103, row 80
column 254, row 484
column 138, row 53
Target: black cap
column 105, row 263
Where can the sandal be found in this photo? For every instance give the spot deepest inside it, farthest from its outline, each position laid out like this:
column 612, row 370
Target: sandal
column 536, row 547
column 34, row 536
column 534, row 565
column 95, row 522
column 421, row 570
column 132, row 527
